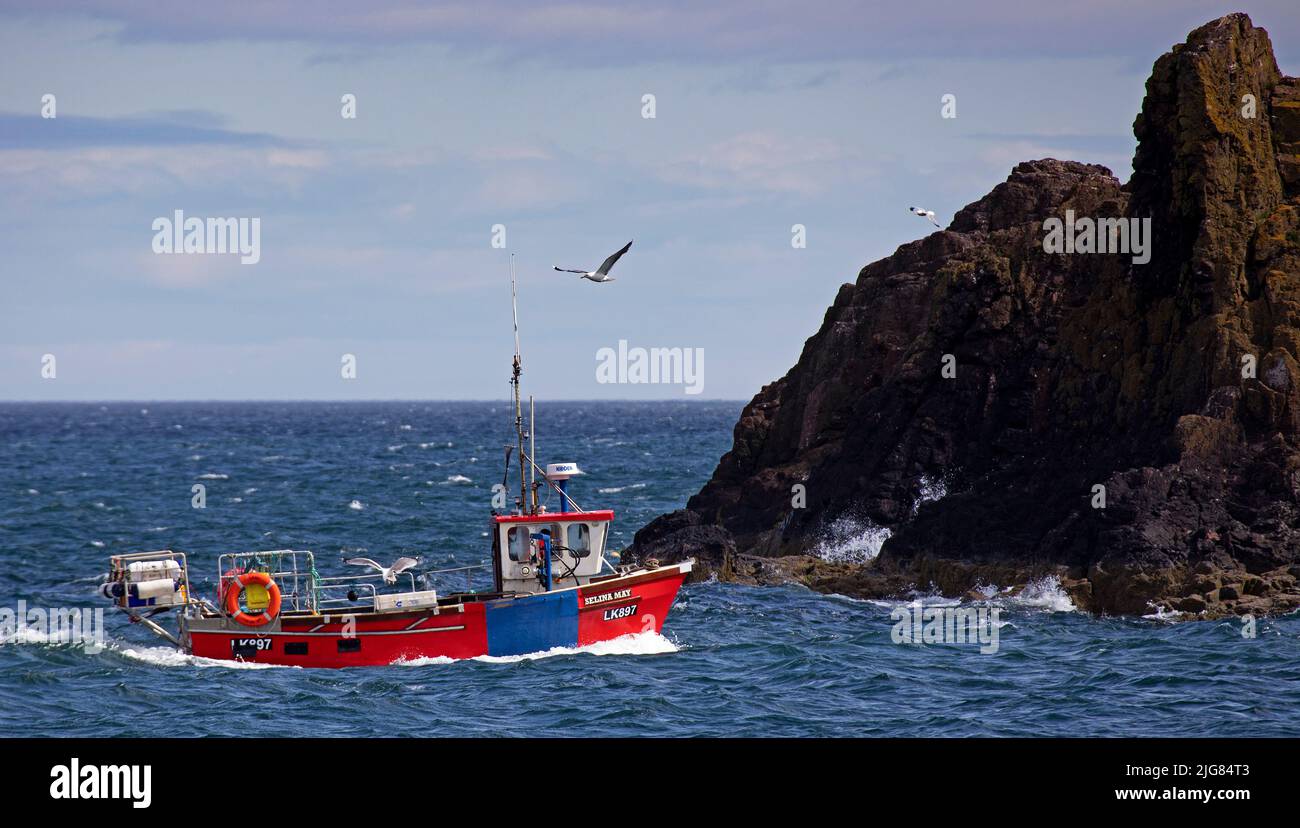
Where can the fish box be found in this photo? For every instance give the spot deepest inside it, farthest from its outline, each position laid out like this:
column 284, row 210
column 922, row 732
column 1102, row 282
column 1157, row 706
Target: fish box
column 406, row 600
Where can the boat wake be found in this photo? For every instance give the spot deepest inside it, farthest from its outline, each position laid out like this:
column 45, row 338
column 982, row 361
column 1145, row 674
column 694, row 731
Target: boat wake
column 637, row 644
column 629, row 645
column 157, row 656
column 170, row 657
column 29, row 636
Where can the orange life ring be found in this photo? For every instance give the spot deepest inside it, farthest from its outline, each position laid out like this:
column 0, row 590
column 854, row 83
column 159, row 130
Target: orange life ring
column 266, row 616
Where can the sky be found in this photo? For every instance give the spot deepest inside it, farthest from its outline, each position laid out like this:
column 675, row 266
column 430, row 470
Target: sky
column 377, row 231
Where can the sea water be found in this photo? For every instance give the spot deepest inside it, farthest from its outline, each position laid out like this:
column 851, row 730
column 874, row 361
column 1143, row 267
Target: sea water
column 80, row 482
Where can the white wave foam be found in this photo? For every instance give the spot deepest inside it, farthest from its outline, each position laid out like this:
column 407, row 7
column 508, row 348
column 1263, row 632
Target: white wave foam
column 617, row 489
column 931, row 489
column 1045, row 594
column 917, row 599
column 1162, row 614
column 356, row 505
column 170, row 657
column 29, row 635
column 851, row 540
column 459, row 478
column 649, row 643
column 211, row 476
column 422, row 661
column 989, row 591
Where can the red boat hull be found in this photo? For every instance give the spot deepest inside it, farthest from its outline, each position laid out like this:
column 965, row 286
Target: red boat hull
column 574, row 617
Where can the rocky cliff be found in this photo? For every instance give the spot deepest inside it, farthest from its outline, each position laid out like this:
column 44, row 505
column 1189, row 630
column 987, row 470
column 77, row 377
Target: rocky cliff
column 1000, row 413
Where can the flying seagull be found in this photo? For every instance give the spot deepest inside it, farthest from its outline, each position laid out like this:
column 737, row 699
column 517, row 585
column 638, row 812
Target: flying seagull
column 923, row 213
column 600, row 274
column 390, row 573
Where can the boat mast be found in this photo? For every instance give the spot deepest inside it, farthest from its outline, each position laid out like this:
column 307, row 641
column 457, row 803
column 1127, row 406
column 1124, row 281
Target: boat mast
column 514, row 380
column 532, row 451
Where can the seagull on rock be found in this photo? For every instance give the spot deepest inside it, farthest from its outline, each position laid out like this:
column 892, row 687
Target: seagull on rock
column 600, row 274
column 390, row 573
column 923, row 213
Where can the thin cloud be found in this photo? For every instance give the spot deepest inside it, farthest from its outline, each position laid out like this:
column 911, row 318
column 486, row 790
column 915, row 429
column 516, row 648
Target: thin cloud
column 586, row 32
column 72, row 131
column 1117, row 142
column 144, row 171
column 761, row 161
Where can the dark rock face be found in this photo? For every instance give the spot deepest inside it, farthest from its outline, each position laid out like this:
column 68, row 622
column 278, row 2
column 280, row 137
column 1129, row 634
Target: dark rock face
column 1173, row 385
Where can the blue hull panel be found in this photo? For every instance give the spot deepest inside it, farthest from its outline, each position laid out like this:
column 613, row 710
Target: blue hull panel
column 534, row 624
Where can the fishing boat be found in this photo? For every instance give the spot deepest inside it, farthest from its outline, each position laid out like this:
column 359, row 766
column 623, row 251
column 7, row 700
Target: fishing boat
column 553, row 585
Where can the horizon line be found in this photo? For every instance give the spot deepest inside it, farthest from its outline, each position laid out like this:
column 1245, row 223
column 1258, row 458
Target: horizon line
column 126, row 401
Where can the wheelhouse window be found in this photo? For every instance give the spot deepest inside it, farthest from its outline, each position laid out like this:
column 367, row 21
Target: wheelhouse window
column 517, row 543
column 580, row 540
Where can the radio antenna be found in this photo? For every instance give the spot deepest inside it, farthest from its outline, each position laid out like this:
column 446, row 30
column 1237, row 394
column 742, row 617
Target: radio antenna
column 514, row 380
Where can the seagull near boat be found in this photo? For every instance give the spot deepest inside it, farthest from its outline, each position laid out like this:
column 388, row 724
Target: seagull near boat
column 389, row 573
column 924, row 213
column 552, row 584
column 600, row 274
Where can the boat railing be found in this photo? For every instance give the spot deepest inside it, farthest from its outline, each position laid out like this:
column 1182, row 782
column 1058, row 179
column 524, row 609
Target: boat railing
column 302, row 588
column 293, row 570
column 344, row 590
column 354, row 589
column 468, row 570
column 356, row 593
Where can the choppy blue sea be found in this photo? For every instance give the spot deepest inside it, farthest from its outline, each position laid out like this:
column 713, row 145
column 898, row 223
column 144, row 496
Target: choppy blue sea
column 79, row 482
